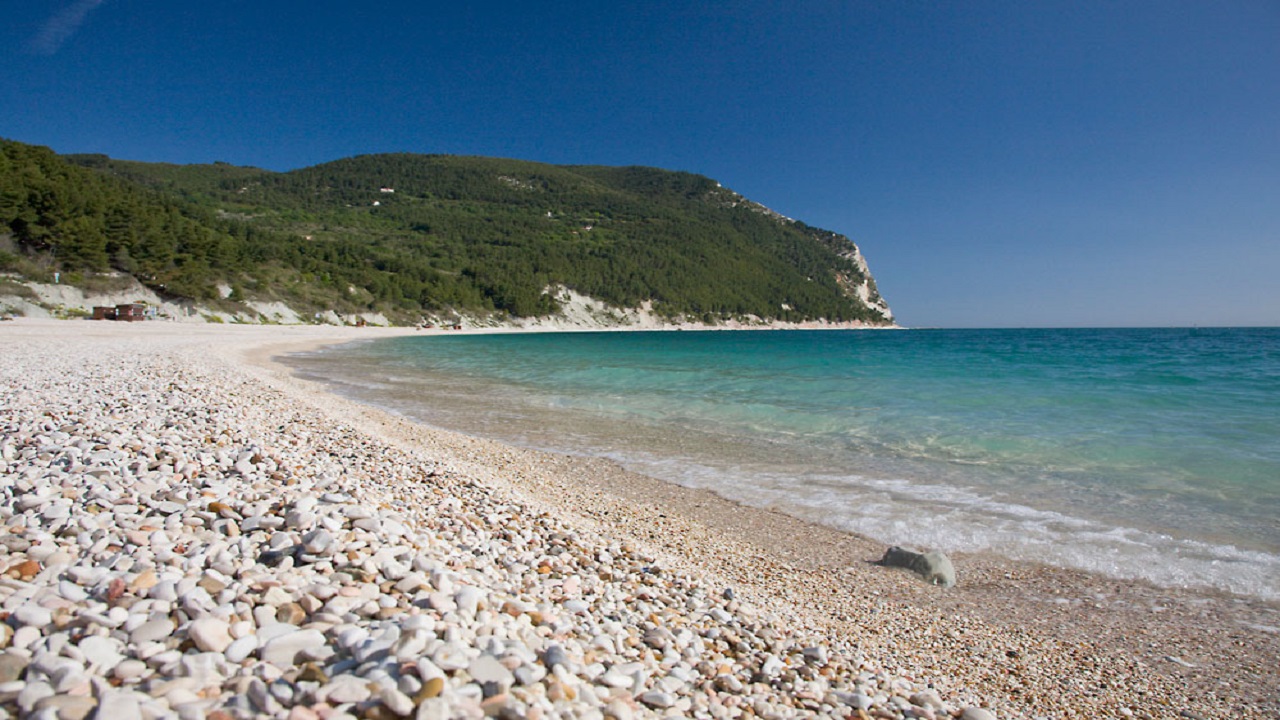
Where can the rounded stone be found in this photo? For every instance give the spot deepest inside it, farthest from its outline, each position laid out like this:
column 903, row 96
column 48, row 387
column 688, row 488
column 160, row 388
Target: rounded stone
column 152, row 631
column 33, row 616
column 128, row 670
column 487, row 669
column 120, row 705
column 12, row 665
column 345, row 689
column 241, row 648
column 67, row 707
column 282, row 651
column 658, row 699
column 396, row 701
column 210, row 634
column 102, row 653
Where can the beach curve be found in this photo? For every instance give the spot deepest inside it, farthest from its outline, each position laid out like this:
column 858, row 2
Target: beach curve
column 830, row 634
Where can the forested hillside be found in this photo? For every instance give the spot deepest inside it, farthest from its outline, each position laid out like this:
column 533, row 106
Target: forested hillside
column 406, row 234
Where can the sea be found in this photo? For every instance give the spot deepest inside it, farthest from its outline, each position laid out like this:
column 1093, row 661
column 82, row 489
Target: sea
column 1150, row 454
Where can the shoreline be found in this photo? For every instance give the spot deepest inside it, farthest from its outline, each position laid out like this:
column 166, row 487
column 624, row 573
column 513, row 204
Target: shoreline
column 1184, row 636
column 1026, row 640
column 1149, row 624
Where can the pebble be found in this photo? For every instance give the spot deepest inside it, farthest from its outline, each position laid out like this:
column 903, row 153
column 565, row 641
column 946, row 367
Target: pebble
column 617, row 709
column 450, row 657
column 487, row 669
column 345, row 689
column 153, row 630
column 67, row 707
column 317, row 542
column 283, row 650
column 128, row 670
column 658, row 699
column 33, row 615
column 11, row 666
column 240, row 649
column 928, row 699
column 119, row 705
column 396, row 701
column 210, row 634
column 33, row 692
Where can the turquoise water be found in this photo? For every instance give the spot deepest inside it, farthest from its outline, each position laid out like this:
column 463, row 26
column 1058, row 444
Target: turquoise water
column 1139, row 453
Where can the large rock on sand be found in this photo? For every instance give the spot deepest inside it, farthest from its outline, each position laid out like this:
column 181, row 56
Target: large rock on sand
column 934, row 567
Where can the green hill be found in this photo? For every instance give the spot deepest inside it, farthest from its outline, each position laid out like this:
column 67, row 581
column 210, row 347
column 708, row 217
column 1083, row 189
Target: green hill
column 409, row 234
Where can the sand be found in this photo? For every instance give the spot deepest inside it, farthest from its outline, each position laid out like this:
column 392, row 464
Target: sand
column 1020, row 639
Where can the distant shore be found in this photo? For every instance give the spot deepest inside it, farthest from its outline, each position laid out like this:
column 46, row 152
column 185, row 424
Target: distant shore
column 577, row 313
column 1023, row 640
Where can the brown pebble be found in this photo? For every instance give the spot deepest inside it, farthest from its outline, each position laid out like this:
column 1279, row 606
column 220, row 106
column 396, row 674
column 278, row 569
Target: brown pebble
column 25, row 570
column 379, row 712
column 312, row 672
column 291, row 613
column 492, row 706
column 145, row 580
column 557, row 691
column 62, row 617
column 431, row 688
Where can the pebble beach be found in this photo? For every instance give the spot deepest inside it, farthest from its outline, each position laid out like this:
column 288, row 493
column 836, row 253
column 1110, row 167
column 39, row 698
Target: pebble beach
column 188, row 531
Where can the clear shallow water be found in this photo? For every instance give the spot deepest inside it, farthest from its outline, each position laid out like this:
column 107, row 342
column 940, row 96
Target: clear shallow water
column 1138, row 453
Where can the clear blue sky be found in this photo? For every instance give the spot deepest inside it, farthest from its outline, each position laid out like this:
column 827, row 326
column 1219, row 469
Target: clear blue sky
column 1000, row 163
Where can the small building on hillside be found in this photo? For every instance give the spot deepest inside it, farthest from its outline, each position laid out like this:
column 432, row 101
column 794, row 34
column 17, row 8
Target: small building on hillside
column 131, row 312
column 104, row 312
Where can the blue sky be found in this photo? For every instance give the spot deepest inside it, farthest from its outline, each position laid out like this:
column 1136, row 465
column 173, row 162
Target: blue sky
column 999, row 163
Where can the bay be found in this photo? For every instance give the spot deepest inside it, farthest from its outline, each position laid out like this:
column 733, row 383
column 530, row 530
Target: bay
column 1141, row 453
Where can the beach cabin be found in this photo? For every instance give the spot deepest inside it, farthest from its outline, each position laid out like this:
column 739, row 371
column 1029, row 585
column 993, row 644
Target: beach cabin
column 104, row 312
column 130, row 312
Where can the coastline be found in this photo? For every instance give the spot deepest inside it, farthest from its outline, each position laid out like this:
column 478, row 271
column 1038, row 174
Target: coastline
column 1183, row 638
column 1024, row 640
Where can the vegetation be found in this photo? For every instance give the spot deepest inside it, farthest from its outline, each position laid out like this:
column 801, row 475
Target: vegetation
column 406, row 234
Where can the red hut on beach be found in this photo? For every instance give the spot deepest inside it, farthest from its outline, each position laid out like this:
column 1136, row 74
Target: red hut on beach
column 130, row 312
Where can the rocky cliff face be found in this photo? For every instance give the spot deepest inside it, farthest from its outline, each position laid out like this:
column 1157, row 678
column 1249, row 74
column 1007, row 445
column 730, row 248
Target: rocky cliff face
column 859, row 284
column 864, row 287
